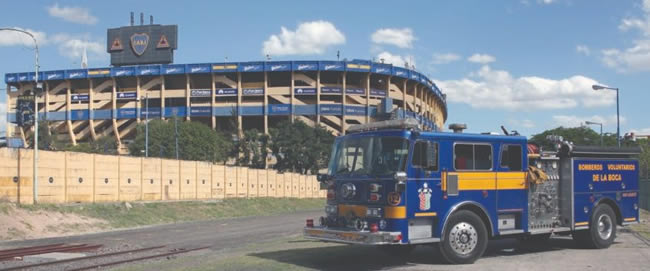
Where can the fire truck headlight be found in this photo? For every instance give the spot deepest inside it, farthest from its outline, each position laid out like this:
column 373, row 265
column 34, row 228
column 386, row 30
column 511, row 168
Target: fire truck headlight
column 331, row 210
column 383, row 224
column 373, row 212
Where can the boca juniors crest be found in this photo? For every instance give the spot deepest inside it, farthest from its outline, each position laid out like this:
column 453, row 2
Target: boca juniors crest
column 139, row 43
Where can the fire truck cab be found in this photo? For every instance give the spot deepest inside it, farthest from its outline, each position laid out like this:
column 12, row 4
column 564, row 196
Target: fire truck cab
column 393, row 185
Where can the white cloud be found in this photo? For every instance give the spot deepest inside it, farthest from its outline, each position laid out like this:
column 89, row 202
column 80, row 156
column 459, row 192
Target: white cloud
column 546, row 2
column 72, row 46
column 13, row 38
column 637, row 57
column 396, row 60
column 583, row 49
column 642, row 131
column 525, row 123
column 444, row 58
column 481, row 58
column 402, row 38
column 309, row 38
column 72, row 14
column 575, row 121
column 498, row 89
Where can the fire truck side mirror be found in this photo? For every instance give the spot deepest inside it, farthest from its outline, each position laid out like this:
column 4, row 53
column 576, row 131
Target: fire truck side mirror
column 400, row 181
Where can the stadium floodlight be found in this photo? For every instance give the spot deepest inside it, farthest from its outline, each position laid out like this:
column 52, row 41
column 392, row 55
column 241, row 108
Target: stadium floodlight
column 618, row 126
column 37, row 85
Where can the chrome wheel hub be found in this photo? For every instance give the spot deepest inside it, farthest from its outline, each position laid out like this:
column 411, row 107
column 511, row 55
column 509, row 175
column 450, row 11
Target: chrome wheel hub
column 463, row 238
column 605, row 226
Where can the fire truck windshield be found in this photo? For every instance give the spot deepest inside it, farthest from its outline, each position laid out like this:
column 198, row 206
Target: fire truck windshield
column 368, row 156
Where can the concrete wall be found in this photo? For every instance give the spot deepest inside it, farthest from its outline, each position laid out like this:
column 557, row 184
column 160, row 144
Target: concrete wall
column 80, row 177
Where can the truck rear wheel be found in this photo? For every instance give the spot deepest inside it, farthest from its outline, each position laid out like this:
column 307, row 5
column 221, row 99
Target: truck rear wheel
column 602, row 229
column 465, row 238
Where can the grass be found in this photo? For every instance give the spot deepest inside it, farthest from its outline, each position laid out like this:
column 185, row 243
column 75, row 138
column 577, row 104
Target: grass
column 118, row 215
column 643, row 228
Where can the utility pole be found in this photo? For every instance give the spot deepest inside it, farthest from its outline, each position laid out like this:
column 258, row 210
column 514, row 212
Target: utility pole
column 176, row 135
column 35, row 90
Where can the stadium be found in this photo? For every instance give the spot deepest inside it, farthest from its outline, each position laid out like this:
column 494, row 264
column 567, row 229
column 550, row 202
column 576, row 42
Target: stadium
column 85, row 104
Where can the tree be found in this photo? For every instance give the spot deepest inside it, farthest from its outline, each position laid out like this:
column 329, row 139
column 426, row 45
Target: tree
column 577, row 135
column 300, row 148
column 253, row 149
column 196, row 141
column 103, row 145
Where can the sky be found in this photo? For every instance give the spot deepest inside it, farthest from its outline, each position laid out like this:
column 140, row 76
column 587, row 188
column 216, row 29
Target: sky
column 526, row 64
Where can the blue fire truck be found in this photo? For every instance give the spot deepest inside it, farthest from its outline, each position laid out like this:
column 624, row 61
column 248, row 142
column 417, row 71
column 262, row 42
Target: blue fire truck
column 393, row 185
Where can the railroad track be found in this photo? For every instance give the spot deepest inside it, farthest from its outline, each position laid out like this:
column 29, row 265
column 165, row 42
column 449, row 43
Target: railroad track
column 119, row 257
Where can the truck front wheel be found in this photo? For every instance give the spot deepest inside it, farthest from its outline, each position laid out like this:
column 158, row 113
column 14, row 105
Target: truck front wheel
column 465, row 238
column 602, row 229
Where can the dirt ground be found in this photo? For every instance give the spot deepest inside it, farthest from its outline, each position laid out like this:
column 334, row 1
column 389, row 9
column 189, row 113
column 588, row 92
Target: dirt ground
column 19, row 224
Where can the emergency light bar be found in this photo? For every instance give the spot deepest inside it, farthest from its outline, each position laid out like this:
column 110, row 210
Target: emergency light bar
column 401, row 124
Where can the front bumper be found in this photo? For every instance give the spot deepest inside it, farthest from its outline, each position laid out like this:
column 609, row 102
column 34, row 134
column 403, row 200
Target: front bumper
column 346, row 236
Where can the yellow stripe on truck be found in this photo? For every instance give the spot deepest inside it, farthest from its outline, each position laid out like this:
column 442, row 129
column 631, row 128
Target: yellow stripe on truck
column 395, row 212
column 476, row 180
column 511, row 180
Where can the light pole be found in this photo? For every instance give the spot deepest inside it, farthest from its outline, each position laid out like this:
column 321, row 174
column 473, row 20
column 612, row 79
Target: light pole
column 601, row 129
column 36, row 87
column 146, row 125
column 618, row 127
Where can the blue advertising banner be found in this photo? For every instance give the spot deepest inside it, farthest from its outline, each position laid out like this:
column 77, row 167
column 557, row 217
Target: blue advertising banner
column 251, row 110
column 10, row 77
column 32, row 74
column 305, row 66
column 79, row 97
column 56, row 115
column 126, row 95
column 355, row 91
column 304, row 91
column 200, row 111
column 79, row 114
column 381, row 68
column 401, row 72
column 123, row 71
column 102, row 114
column 378, row 92
column 23, row 77
column 76, row 74
column 201, row 92
column 173, row 69
column 224, row 110
column 305, row 109
column 278, row 66
column 331, row 66
column 279, row 109
column 355, row 110
column 175, row 111
column 224, row 67
column 148, row 70
column 126, row 113
column 251, row 67
column 331, row 109
column 253, row 91
column 199, row 68
column 226, row 92
column 152, row 112
column 54, row 75
column 331, row 90
column 99, row 73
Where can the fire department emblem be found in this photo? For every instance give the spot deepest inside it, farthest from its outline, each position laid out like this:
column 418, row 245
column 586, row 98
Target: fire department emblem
column 424, row 194
column 139, row 43
column 394, row 198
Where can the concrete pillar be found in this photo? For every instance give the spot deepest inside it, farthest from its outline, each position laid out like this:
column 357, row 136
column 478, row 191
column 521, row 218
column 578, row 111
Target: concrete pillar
column 91, row 102
column 10, row 100
column 266, row 102
column 293, row 109
column 138, row 95
column 213, row 102
column 114, row 113
column 68, row 100
column 368, row 98
column 162, row 97
column 187, row 97
column 46, row 96
column 344, row 96
column 404, row 95
column 239, row 97
column 318, row 97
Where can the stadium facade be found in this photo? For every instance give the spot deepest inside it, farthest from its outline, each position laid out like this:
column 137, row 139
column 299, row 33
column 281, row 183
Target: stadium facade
column 84, row 104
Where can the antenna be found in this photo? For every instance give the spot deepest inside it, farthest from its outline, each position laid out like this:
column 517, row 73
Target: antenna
column 131, row 18
column 141, row 18
column 150, row 19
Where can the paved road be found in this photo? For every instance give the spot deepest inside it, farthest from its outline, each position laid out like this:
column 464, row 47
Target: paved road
column 274, row 242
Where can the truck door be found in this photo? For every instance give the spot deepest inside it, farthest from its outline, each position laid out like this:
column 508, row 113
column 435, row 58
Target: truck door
column 423, row 189
column 512, row 206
